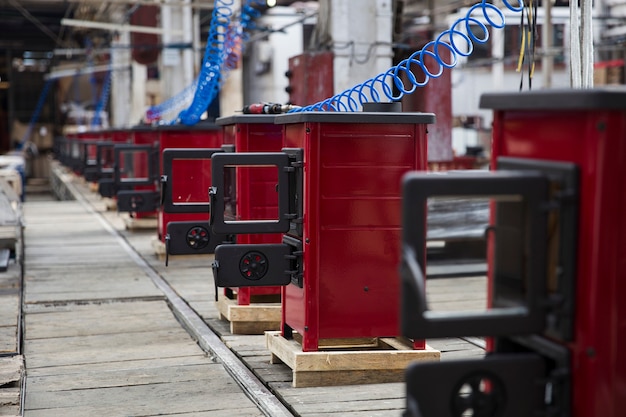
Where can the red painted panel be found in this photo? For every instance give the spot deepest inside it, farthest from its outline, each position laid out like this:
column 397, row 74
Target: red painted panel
column 206, row 135
column 596, row 141
column 145, row 46
column 256, row 187
column 352, row 177
column 311, row 77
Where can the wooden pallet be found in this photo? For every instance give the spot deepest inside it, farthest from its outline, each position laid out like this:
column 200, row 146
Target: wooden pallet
column 159, row 251
column 110, row 203
column 133, row 223
column 11, row 374
column 346, row 361
column 254, row 318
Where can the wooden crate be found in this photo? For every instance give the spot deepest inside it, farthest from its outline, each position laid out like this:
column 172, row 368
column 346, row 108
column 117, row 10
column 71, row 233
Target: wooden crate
column 346, row 361
column 254, row 318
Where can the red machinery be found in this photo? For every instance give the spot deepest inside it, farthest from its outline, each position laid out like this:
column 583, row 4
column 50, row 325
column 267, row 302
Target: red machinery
column 137, row 173
column 557, row 262
column 105, row 160
column 83, row 150
column 185, row 179
column 255, row 188
column 339, row 211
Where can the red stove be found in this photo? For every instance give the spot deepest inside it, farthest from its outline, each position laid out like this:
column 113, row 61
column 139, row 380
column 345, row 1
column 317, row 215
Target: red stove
column 185, row 180
column 339, row 212
column 136, row 174
column 254, row 189
column 105, row 160
column 83, row 150
column 557, row 258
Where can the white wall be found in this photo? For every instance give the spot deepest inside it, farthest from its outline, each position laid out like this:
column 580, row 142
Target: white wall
column 469, row 83
column 267, row 59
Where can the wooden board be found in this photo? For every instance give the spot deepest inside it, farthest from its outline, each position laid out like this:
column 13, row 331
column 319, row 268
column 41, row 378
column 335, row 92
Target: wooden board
column 191, row 278
column 11, row 369
column 110, row 203
column 120, row 358
column 10, row 297
column 385, row 362
column 254, row 318
column 11, row 373
column 133, row 223
column 159, row 251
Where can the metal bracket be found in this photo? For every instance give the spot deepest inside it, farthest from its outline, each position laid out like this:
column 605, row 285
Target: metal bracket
column 511, row 385
column 192, row 238
column 563, row 219
column 296, row 184
column 137, row 201
column 108, row 189
column 124, row 165
column 525, row 314
column 167, row 190
column 218, row 220
column 296, row 261
column 252, row 265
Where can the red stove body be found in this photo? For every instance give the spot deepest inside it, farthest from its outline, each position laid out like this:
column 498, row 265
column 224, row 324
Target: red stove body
column 110, row 138
column 256, row 196
column 353, row 165
column 557, row 260
column 106, row 170
column 587, row 128
column 144, row 135
column 190, row 179
column 84, row 150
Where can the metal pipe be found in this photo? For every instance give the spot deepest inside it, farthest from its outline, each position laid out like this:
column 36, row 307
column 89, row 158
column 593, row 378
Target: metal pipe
column 198, row 5
column 117, row 27
column 79, row 71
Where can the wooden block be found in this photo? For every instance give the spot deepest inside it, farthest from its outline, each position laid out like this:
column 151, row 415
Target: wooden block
column 159, row 247
column 159, row 251
column 366, row 363
column 133, row 223
column 110, row 203
column 254, row 318
column 11, row 369
column 9, row 396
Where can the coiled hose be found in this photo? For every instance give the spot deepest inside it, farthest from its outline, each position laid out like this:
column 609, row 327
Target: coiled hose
column 209, row 78
column 224, row 48
column 379, row 86
column 237, row 36
column 102, row 102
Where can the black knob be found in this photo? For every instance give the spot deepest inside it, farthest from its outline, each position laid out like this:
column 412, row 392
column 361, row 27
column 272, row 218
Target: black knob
column 253, row 265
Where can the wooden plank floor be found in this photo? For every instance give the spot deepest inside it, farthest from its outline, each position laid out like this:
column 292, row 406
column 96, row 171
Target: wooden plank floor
column 101, row 340
column 99, row 336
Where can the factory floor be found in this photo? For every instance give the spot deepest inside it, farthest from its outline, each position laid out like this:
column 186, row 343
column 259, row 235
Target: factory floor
column 104, row 328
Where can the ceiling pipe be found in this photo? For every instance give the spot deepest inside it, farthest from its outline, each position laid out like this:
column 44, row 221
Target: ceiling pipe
column 116, row 27
column 149, row 3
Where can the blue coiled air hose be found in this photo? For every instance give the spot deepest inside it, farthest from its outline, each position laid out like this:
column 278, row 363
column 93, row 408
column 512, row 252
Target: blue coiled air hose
column 380, row 86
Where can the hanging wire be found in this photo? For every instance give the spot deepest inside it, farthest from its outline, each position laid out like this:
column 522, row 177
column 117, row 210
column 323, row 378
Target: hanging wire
column 458, row 40
column 528, row 44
